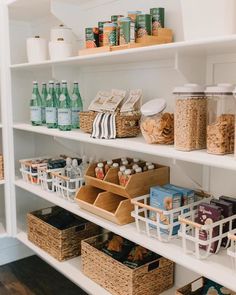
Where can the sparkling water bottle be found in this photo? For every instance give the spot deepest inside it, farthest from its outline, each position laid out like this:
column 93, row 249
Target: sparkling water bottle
column 76, row 106
column 64, row 109
column 51, row 107
column 44, row 99
column 36, row 106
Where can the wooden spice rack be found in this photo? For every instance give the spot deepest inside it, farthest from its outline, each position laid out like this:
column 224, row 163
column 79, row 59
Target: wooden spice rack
column 164, row 36
column 112, row 207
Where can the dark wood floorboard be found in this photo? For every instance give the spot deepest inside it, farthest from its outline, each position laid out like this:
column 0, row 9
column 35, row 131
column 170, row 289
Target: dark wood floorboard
column 32, row 276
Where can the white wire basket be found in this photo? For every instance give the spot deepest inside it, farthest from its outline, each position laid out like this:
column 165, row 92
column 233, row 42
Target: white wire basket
column 157, row 223
column 66, row 187
column 46, row 178
column 231, row 251
column 190, row 233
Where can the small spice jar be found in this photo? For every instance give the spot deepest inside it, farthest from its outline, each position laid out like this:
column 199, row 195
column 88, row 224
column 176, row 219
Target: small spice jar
column 99, row 171
column 121, row 175
column 138, row 170
column 108, row 166
column 126, row 177
column 157, row 126
column 115, row 165
column 190, row 118
column 220, row 119
column 147, row 164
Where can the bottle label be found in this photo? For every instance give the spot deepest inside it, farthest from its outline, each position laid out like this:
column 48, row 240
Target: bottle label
column 49, row 97
column 74, row 97
column 64, row 117
column 43, row 114
column 75, row 115
column 35, row 114
column 34, row 96
column 62, row 97
column 51, row 115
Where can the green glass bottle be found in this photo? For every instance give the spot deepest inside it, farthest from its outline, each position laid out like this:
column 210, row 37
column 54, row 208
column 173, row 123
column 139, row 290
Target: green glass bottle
column 58, row 90
column 36, row 106
column 64, row 109
column 44, row 98
column 76, row 106
column 51, row 107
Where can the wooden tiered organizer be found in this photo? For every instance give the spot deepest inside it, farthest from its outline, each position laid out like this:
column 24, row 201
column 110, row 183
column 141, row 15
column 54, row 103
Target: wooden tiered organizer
column 164, row 36
column 108, row 199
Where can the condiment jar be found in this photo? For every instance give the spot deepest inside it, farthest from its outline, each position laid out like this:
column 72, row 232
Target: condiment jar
column 108, row 166
column 121, row 175
column 125, row 162
column 190, row 117
column 126, row 177
column 220, row 119
column 138, row 170
column 115, row 165
column 157, row 126
column 99, row 171
column 151, row 167
column 134, row 167
column 145, row 168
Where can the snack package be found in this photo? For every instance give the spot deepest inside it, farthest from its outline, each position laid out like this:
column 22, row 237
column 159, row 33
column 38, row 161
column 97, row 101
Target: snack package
column 112, row 103
column 166, row 200
column 208, row 214
column 233, row 202
column 227, row 211
column 99, row 100
column 134, row 101
column 188, row 195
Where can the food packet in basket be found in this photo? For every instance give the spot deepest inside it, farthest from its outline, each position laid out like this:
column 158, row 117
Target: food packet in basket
column 134, row 101
column 97, row 104
column 113, row 102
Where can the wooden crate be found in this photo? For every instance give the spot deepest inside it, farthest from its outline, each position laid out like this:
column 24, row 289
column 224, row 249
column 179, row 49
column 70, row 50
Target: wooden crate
column 150, row 279
column 112, row 207
column 61, row 244
column 138, row 184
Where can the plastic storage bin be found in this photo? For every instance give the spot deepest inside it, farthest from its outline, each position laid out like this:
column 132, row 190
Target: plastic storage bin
column 220, row 119
column 208, row 18
column 190, row 117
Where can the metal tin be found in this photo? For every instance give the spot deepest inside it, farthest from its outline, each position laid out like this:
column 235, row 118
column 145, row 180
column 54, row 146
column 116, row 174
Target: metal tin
column 114, row 18
column 127, row 31
column 144, row 25
column 101, row 35
column 110, row 37
column 92, row 37
column 158, row 19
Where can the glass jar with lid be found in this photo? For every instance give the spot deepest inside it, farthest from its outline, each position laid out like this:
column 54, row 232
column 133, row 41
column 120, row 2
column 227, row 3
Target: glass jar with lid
column 190, row 117
column 157, row 126
column 220, row 119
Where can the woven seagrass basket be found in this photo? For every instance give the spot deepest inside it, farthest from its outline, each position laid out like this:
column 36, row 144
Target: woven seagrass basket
column 150, row 279
column 61, row 244
column 126, row 125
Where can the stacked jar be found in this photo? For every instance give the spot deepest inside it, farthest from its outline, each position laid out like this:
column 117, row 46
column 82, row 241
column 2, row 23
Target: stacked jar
column 220, row 119
column 190, row 117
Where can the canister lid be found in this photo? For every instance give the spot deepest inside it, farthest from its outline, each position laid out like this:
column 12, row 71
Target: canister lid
column 154, row 106
column 222, row 88
column 189, row 88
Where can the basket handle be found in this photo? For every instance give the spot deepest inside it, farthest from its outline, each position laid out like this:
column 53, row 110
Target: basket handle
column 61, row 176
column 153, row 265
column 147, row 207
column 189, row 222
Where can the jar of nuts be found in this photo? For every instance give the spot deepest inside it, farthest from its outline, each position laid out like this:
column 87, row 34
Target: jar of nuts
column 157, row 126
column 190, row 117
column 220, row 119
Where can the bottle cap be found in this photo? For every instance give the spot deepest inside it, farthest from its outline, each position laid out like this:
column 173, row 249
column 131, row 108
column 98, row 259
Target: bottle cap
column 127, row 172
column 115, row 165
column 151, row 167
column 75, row 163
column 109, row 162
column 122, row 168
column 44, row 83
column 64, row 82
column 100, row 165
column 35, row 82
column 135, row 166
column 125, row 162
column 123, row 159
column 148, row 164
column 68, row 161
column 51, row 82
column 76, row 82
column 138, row 170
column 135, row 160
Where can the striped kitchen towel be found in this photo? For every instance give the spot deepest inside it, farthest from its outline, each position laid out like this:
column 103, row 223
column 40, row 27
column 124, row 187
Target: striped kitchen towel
column 104, row 126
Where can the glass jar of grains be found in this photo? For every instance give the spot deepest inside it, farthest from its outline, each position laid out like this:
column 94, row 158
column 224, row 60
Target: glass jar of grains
column 190, row 117
column 220, row 119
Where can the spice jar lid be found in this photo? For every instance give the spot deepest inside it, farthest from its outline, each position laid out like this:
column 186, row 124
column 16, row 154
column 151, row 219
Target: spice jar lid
column 223, row 88
column 115, row 165
column 189, row 89
column 153, row 107
column 127, row 171
column 100, row 165
column 135, row 166
column 138, row 170
column 122, row 168
column 109, row 162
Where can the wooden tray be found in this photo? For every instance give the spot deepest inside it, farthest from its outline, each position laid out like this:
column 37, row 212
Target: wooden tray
column 164, row 36
column 138, row 184
column 107, row 205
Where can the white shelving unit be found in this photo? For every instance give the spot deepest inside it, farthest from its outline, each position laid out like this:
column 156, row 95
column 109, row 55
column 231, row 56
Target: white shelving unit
column 155, row 69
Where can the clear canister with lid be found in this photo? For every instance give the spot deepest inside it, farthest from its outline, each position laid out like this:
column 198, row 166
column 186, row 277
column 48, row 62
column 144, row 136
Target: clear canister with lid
column 190, row 117
column 220, row 119
column 157, row 126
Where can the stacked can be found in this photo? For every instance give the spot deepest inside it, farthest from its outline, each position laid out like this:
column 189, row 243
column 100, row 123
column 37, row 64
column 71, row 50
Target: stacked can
column 127, row 30
column 144, row 25
column 158, row 19
column 101, row 35
column 92, row 37
column 110, row 34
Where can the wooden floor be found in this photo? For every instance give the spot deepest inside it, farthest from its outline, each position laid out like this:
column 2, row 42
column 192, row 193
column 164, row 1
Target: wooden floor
column 32, row 276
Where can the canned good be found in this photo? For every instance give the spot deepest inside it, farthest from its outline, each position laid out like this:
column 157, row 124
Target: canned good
column 127, row 31
column 114, row 18
column 158, row 19
column 110, row 34
column 101, row 35
column 144, row 25
column 92, row 37
column 133, row 14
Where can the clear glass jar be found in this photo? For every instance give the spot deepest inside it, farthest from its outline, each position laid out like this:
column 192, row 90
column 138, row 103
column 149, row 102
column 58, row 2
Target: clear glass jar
column 157, row 126
column 220, row 119
column 190, row 117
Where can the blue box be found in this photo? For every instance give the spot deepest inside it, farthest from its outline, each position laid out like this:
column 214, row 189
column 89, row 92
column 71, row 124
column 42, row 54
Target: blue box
column 188, row 195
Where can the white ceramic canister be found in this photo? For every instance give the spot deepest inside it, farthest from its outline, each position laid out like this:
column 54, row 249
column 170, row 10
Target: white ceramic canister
column 62, row 32
column 60, row 49
column 37, row 49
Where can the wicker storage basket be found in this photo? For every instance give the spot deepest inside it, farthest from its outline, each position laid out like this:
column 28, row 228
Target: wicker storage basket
column 126, row 125
column 150, row 279
column 61, row 244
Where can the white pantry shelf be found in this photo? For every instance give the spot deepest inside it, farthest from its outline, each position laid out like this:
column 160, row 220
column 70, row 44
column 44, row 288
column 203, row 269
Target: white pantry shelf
column 2, row 231
column 210, row 46
column 217, row 267
column 138, row 144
